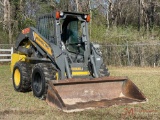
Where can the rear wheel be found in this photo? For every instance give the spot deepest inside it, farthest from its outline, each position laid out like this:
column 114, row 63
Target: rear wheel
column 104, row 71
column 21, row 77
column 42, row 72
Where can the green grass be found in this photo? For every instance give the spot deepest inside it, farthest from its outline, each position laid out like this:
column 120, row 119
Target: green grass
column 17, row 106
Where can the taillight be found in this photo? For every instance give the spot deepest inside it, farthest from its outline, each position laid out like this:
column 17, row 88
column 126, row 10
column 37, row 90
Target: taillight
column 25, row 31
column 57, row 15
column 88, row 18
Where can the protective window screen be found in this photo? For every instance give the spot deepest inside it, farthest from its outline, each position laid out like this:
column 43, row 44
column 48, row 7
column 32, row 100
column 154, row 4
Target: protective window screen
column 46, row 27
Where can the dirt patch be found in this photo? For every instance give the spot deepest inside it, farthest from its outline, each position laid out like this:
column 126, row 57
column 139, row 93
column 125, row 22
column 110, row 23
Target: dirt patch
column 72, row 101
column 20, row 112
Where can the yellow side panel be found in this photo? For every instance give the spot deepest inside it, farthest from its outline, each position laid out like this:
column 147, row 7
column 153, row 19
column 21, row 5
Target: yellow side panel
column 42, row 43
column 83, row 73
column 15, row 58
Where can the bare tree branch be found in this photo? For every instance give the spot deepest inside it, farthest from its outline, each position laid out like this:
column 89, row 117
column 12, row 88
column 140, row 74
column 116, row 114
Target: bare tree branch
column 1, row 3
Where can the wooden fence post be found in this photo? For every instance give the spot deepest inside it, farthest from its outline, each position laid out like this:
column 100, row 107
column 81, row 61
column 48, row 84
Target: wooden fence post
column 128, row 54
column 11, row 50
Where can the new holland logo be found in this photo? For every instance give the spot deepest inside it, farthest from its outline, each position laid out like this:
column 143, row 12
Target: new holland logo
column 76, row 68
column 42, row 43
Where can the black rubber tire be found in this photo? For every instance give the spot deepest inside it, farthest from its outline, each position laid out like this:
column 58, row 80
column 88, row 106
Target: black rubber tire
column 42, row 72
column 103, row 71
column 24, row 84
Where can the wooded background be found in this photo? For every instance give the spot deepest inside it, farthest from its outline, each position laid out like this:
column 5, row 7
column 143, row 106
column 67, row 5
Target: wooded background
column 114, row 24
column 113, row 21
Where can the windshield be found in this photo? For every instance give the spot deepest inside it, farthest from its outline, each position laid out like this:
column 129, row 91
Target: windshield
column 73, row 37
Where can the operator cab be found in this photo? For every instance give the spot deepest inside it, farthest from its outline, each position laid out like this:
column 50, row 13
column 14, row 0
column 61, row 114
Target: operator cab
column 72, row 35
column 68, row 29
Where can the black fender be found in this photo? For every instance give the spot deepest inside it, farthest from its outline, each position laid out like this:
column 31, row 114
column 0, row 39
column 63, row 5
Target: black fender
column 28, row 34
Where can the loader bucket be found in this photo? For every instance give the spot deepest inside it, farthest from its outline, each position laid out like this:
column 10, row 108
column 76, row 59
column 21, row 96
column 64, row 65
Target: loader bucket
column 79, row 94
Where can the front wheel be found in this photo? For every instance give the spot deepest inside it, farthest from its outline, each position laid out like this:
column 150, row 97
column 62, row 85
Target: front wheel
column 21, row 77
column 42, row 72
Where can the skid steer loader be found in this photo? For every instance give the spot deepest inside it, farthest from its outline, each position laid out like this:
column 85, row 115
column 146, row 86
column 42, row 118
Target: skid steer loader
column 58, row 63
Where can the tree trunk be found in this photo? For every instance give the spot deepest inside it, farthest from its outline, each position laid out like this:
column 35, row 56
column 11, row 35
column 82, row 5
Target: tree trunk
column 90, row 11
column 110, row 8
column 107, row 19
column 139, row 15
column 77, row 6
column 7, row 19
column 5, row 15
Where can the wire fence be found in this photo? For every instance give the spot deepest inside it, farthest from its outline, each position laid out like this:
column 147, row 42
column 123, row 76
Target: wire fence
column 129, row 54
column 6, row 46
column 139, row 54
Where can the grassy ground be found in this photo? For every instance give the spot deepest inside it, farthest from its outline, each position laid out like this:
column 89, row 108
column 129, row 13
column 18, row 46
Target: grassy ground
column 15, row 106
